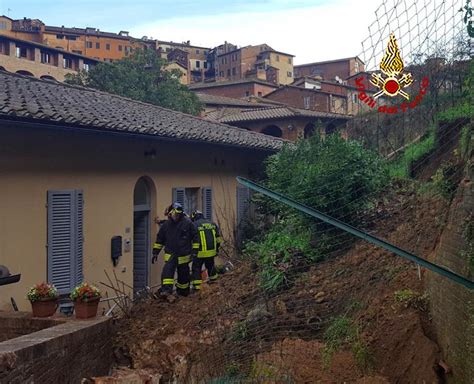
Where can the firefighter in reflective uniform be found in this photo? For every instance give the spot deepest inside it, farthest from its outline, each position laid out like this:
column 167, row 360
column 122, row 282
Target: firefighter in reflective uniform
column 209, row 241
column 178, row 237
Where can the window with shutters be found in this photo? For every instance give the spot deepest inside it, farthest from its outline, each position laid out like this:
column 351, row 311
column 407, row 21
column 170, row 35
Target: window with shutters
column 243, row 209
column 65, row 239
column 243, row 204
column 189, row 199
column 307, row 102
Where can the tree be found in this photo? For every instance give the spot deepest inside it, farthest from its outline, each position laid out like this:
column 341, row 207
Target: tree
column 142, row 76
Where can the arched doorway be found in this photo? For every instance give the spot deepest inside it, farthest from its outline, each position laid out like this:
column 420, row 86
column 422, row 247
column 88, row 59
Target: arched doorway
column 142, row 207
column 272, row 130
column 309, row 130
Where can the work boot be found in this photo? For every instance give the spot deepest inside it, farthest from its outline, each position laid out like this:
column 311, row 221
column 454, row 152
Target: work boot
column 171, row 298
column 194, row 291
column 166, row 296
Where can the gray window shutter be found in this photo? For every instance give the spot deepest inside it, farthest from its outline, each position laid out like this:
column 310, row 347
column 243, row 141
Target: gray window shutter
column 243, row 203
column 79, row 237
column 179, row 195
column 65, row 239
column 207, row 202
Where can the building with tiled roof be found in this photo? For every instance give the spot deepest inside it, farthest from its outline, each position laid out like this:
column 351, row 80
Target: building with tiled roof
column 39, row 60
column 331, row 70
column 90, row 42
column 216, row 107
column 81, row 167
column 255, row 61
column 235, row 89
column 286, row 122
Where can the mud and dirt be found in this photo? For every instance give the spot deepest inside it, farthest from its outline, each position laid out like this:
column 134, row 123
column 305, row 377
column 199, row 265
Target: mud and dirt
column 232, row 330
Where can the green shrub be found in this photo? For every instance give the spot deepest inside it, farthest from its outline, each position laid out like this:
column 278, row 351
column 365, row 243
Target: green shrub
column 280, row 255
column 342, row 332
column 444, row 180
column 240, row 331
column 412, row 299
column 334, row 176
column 400, row 167
column 463, row 108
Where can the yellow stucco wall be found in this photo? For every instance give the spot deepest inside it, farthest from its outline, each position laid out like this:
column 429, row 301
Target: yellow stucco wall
column 184, row 79
column 106, row 168
column 284, row 64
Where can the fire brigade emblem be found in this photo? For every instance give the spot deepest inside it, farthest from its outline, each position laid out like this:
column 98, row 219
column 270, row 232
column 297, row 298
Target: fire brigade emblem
column 392, row 67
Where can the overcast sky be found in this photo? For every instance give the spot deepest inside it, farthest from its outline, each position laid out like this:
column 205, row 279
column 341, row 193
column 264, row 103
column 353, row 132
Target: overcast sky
column 311, row 30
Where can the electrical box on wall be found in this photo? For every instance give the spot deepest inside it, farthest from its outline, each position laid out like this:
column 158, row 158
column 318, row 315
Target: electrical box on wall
column 116, row 249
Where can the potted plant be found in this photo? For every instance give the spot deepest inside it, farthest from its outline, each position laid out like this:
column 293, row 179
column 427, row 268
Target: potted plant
column 44, row 299
column 86, row 299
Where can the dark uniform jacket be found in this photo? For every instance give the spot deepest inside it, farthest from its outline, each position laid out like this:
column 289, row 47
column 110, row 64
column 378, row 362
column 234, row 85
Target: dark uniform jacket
column 209, row 237
column 177, row 237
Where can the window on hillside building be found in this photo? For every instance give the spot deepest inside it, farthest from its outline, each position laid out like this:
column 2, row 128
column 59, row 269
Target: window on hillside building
column 228, row 72
column 307, row 102
column 259, row 94
column 3, row 25
column 45, row 58
column 289, row 60
column 77, row 51
column 205, row 65
column 277, row 57
column 67, row 62
column 59, row 37
column 198, row 64
column 86, row 67
column 289, row 74
column 234, row 71
column 120, row 48
column 97, row 45
column 357, row 66
column 89, row 44
column 21, row 52
column 197, row 51
column 69, row 37
column 247, row 93
column 354, row 98
column 107, row 46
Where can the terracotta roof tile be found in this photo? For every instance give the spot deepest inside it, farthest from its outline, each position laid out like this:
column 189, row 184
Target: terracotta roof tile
column 40, row 101
column 230, row 101
column 277, row 113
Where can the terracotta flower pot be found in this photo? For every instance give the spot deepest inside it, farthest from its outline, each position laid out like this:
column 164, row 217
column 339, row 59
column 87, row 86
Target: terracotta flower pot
column 86, row 309
column 44, row 308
